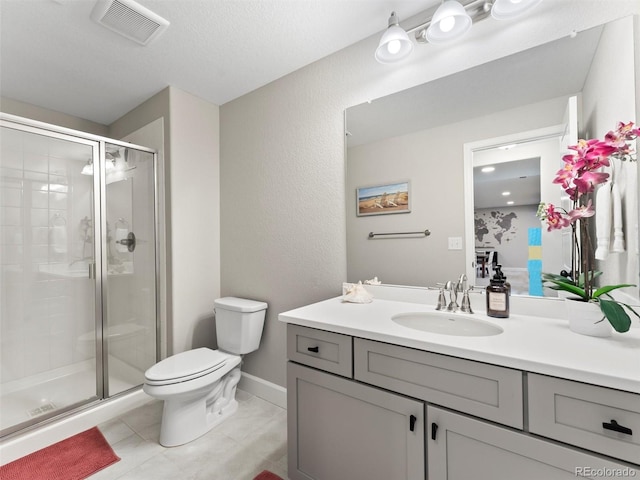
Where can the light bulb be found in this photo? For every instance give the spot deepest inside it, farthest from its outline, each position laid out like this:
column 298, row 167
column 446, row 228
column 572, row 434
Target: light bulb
column 447, row 23
column 394, row 46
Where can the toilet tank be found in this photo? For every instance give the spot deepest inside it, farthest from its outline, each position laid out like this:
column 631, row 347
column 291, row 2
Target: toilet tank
column 239, row 323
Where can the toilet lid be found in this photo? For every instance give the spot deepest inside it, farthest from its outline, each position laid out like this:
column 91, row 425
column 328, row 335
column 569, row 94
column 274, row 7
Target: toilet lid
column 185, row 365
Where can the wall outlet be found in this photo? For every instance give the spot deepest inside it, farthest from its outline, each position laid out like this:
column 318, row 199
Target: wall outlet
column 455, row 243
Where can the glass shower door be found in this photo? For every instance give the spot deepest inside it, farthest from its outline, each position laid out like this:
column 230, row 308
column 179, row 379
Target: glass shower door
column 130, row 336
column 48, row 295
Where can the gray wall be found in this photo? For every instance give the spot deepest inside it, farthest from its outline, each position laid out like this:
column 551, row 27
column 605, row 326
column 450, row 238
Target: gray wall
column 26, row 110
column 282, row 161
column 192, row 206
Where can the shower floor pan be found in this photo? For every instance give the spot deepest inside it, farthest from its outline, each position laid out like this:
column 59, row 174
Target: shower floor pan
column 40, row 395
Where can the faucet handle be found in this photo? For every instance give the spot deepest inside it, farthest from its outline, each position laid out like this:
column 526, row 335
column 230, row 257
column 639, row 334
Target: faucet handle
column 466, row 302
column 442, row 301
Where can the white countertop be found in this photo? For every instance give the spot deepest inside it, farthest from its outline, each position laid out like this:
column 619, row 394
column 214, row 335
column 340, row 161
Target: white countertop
column 534, row 344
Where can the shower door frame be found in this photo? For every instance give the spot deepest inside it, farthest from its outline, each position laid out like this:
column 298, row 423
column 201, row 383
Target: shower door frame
column 100, row 270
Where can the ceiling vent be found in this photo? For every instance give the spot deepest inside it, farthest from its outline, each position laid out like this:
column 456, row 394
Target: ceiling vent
column 129, row 19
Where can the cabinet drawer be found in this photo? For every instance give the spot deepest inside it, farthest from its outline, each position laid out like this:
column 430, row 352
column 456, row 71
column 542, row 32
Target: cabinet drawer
column 327, row 351
column 586, row 416
column 487, row 391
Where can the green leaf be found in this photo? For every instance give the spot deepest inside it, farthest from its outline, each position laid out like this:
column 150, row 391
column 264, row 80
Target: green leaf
column 630, row 308
column 568, row 287
column 608, row 288
column 616, row 315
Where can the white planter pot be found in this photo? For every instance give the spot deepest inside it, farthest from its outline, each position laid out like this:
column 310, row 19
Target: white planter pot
column 586, row 318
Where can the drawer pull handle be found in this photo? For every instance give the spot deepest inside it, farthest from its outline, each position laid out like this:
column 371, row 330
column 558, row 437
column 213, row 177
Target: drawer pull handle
column 313, row 349
column 412, row 422
column 617, row 428
column 434, row 430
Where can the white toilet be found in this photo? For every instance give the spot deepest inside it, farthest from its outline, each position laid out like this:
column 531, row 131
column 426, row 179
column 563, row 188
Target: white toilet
column 199, row 386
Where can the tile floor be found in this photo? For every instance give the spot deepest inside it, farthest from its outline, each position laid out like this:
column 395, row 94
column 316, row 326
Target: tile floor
column 252, row 440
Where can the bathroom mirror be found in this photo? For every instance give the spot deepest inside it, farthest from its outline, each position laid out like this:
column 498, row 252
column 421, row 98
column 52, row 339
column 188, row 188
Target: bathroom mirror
column 434, row 134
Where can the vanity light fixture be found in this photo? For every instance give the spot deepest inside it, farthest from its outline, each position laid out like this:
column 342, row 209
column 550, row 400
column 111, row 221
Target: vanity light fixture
column 450, row 21
column 395, row 43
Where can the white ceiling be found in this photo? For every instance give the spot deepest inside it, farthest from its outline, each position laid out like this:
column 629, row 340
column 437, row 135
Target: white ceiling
column 54, row 56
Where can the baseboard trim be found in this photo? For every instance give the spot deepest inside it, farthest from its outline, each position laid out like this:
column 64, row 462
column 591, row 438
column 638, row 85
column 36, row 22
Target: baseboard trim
column 264, row 389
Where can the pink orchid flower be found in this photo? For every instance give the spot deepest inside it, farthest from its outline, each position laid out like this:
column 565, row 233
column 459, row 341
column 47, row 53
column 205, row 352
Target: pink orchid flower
column 583, row 211
column 555, row 219
column 588, row 180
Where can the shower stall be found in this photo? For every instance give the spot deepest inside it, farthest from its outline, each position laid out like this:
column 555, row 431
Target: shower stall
column 78, row 278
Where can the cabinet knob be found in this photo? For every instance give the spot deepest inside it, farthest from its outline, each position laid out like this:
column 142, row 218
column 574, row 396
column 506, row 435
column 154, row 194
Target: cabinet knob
column 412, row 422
column 434, row 430
column 313, row 349
column 617, row 428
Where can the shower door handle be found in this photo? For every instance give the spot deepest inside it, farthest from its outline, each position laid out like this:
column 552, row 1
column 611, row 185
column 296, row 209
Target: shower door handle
column 130, row 241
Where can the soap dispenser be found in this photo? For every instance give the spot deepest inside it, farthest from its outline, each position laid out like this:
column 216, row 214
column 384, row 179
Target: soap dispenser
column 498, row 296
column 499, row 272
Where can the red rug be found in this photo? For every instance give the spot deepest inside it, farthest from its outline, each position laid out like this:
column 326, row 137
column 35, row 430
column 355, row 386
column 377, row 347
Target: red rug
column 75, row 458
column 267, row 475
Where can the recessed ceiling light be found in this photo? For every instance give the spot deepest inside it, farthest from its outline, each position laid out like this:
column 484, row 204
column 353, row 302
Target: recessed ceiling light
column 510, row 202
column 506, row 194
column 488, row 169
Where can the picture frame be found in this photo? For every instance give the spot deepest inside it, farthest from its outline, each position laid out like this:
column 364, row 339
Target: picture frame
column 383, row 199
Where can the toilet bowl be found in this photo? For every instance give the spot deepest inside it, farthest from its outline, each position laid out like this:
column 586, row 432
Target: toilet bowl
column 198, row 386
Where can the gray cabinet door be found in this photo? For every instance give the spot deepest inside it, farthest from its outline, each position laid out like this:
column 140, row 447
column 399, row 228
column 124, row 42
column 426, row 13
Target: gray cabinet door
column 465, row 448
column 339, row 429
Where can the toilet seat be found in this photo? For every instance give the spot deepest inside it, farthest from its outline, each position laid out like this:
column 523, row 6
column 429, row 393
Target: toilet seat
column 186, row 366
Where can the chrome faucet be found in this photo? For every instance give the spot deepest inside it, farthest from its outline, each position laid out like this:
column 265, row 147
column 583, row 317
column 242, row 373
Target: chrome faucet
column 452, row 288
column 465, row 289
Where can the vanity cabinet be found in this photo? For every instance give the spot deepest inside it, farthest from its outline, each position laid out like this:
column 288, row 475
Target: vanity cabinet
column 364, row 409
column 461, row 448
column 343, row 430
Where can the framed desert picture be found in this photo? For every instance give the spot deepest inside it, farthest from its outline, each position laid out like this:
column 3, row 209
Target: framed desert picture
column 383, row 199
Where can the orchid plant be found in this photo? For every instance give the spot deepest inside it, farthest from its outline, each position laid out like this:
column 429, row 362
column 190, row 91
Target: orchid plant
column 581, row 174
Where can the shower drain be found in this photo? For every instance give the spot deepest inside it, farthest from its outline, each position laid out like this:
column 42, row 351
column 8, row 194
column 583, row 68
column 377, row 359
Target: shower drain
column 42, row 409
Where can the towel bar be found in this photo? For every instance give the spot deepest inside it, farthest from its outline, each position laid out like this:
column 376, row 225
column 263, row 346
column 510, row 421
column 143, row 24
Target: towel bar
column 426, row 233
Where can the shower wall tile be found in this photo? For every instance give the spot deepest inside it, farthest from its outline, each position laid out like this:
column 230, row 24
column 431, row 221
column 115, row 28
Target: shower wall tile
column 39, row 199
column 39, row 254
column 40, row 235
column 11, row 255
column 36, row 161
column 11, row 216
column 40, row 217
column 58, row 201
column 11, row 197
column 11, row 235
column 11, row 158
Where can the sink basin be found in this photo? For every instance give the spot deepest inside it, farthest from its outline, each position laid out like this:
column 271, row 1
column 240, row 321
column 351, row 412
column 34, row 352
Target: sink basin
column 447, row 324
